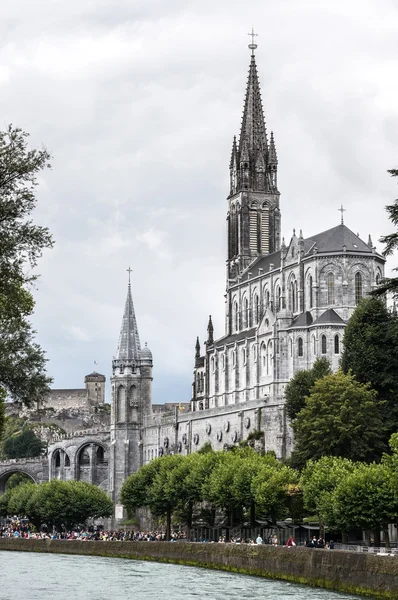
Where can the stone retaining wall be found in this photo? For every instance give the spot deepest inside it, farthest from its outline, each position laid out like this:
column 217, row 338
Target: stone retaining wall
column 363, row 574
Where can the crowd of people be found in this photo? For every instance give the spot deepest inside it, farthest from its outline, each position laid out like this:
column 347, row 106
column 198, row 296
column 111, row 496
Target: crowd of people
column 25, row 530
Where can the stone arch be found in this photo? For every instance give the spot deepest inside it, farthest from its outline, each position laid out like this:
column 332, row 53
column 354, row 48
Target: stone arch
column 92, row 462
column 4, row 477
column 60, row 464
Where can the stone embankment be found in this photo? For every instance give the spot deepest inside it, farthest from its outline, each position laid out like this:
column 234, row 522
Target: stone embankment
column 363, row 574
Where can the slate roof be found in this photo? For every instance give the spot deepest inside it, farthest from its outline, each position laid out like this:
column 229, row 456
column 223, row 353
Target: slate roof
column 263, row 262
column 334, row 239
column 329, row 317
column 236, row 337
column 303, row 320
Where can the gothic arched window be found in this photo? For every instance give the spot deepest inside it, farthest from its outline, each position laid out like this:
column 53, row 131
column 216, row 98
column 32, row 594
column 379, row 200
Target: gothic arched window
column 278, row 298
column 121, row 404
column 310, row 291
column 300, row 347
column 256, row 309
column 246, row 315
column 67, row 460
column 330, row 284
column 336, row 344
column 292, row 297
column 236, row 316
column 358, row 287
column 323, row 344
column 378, row 277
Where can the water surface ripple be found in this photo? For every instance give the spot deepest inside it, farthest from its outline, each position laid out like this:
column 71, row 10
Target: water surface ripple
column 64, row 577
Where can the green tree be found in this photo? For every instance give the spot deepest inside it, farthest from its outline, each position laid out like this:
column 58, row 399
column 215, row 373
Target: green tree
column 187, row 480
column 23, row 445
column 366, row 498
column 22, row 361
column 19, row 499
column 2, row 411
column 371, row 353
column 341, row 418
column 300, row 385
column 164, row 494
column 272, row 488
column 136, row 488
column 66, row 503
column 229, row 485
column 319, row 480
column 17, row 479
column 390, row 284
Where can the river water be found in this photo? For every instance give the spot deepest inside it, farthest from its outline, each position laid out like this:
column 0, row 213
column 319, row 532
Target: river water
column 28, row 576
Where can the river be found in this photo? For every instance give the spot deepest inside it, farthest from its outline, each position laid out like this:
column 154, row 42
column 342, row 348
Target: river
column 28, row 576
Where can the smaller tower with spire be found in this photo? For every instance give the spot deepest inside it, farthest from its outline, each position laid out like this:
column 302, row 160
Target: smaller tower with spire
column 131, row 399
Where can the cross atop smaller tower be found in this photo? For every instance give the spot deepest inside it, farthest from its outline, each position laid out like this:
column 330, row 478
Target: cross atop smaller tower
column 342, row 211
column 129, row 271
column 252, row 46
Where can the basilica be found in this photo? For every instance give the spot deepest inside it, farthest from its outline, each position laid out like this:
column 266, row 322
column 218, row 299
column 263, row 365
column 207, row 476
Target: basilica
column 287, row 302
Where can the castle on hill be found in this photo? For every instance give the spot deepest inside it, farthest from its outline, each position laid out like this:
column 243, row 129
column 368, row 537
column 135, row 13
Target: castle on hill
column 287, row 303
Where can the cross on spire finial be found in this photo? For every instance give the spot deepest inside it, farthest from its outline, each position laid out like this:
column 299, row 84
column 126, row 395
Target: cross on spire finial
column 129, row 271
column 252, row 46
column 342, row 211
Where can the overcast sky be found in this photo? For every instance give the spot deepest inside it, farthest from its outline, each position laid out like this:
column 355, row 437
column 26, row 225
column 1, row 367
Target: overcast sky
column 138, row 102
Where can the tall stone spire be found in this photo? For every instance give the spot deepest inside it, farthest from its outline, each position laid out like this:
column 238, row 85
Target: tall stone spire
column 253, row 133
column 129, row 341
column 253, row 219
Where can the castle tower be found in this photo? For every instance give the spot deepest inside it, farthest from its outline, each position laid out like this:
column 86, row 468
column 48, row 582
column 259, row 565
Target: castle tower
column 131, row 402
column 95, row 386
column 253, row 220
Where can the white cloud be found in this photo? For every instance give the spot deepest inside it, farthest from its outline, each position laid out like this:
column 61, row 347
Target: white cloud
column 138, row 103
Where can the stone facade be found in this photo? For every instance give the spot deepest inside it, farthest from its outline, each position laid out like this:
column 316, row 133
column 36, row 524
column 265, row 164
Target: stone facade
column 286, row 305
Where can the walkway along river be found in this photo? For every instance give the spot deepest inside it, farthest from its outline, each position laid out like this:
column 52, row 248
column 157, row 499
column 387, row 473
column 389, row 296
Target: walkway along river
column 57, row 577
column 363, row 574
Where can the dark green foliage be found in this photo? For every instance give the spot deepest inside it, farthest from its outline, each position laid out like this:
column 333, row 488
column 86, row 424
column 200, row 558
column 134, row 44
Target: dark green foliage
column 17, row 479
column 341, row 417
column 299, row 387
column 57, row 503
column 207, row 447
column 23, row 445
column 22, row 362
column 390, row 284
column 2, row 411
column 371, row 353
